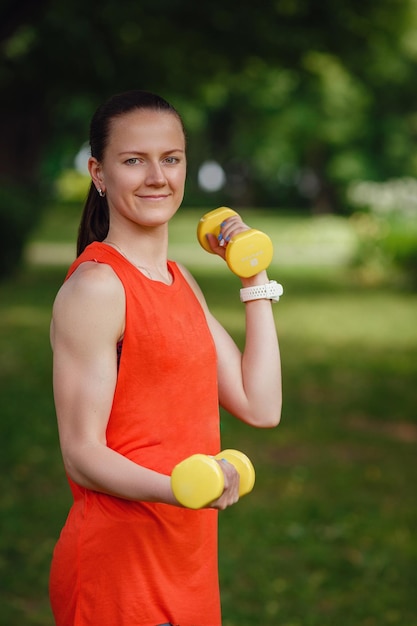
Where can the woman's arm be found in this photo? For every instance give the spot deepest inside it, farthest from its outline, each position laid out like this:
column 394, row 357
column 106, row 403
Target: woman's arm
column 249, row 382
column 87, row 321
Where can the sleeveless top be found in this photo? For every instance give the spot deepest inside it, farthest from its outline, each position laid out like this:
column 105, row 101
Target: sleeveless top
column 124, row 563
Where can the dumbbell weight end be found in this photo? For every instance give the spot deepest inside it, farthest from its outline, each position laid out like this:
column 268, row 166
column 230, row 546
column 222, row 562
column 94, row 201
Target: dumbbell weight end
column 243, row 465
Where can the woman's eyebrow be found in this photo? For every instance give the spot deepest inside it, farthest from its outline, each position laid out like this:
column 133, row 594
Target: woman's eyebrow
column 141, row 153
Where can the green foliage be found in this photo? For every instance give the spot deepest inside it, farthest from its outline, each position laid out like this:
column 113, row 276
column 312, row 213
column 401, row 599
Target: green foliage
column 325, row 94
column 328, row 535
column 401, row 244
column 71, row 186
column 387, row 226
column 19, row 212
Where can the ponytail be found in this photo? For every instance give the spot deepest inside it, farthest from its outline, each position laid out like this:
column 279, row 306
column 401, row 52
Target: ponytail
column 94, row 224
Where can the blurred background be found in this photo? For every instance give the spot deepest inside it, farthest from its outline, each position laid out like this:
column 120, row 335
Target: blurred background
column 301, row 115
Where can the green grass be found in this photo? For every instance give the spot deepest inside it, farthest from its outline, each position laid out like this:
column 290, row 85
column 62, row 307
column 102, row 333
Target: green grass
column 328, row 535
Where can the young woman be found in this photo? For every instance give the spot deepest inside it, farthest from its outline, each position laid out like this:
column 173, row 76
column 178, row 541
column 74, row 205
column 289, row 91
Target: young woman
column 140, row 368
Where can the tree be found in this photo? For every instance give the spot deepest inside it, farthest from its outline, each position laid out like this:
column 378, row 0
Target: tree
column 293, row 98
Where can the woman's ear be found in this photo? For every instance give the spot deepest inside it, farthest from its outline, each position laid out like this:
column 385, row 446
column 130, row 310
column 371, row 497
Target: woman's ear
column 96, row 174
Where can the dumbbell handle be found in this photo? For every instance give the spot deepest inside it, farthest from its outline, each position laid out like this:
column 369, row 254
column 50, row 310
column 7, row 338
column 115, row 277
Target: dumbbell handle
column 199, row 480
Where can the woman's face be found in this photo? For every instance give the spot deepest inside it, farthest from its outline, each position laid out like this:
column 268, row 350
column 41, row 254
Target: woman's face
column 144, row 167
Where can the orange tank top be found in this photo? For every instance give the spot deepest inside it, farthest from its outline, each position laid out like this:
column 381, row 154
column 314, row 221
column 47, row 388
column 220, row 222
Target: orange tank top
column 127, row 563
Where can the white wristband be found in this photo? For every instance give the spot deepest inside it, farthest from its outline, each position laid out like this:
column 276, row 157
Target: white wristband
column 270, row 291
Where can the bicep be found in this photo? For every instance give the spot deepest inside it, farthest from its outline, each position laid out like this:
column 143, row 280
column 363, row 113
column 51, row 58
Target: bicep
column 84, row 338
column 83, row 388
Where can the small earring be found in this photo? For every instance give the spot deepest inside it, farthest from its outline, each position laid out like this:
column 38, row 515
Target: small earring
column 101, row 193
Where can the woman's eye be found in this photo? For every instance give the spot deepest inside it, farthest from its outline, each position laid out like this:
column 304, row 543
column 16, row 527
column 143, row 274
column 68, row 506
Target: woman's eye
column 132, row 161
column 171, row 160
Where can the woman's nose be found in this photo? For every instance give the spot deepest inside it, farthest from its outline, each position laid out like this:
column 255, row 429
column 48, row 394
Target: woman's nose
column 155, row 175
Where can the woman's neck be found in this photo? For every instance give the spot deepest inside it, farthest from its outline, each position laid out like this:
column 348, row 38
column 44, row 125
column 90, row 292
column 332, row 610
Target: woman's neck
column 147, row 251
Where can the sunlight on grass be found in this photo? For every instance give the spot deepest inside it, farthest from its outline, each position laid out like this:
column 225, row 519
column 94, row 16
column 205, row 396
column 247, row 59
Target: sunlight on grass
column 349, row 318
column 324, row 240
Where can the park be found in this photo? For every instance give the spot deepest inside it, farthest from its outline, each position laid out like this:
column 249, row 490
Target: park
column 314, row 126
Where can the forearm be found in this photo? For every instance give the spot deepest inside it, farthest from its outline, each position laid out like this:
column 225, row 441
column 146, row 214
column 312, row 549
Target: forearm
column 261, row 365
column 97, row 467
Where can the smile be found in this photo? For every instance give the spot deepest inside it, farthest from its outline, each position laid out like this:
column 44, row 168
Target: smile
column 154, row 198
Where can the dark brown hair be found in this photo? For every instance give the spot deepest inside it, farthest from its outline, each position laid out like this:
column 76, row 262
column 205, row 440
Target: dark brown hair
column 94, row 224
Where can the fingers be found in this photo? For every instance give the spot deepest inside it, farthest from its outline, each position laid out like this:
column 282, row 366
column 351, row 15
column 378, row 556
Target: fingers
column 231, row 227
column 215, row 245
column 230, row 493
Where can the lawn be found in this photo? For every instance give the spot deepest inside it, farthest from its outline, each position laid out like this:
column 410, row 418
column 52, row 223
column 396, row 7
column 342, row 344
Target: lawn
column 327, row 537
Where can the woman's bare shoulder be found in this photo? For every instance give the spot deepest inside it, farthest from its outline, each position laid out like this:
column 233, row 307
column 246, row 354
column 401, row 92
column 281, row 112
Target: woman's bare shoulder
column 93, row 297
column 91, row 280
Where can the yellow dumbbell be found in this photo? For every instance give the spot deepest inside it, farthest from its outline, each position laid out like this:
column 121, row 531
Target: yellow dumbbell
column 199, row 480
column 247, row 253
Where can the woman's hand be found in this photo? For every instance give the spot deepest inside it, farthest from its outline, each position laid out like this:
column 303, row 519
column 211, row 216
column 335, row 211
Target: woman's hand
column 230, row 493
column 231, row 227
